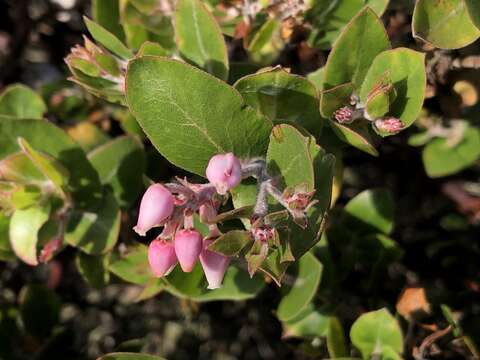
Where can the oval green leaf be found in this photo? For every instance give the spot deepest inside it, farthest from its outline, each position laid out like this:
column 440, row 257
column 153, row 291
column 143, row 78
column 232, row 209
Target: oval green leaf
column 406, row 69
column 190, row 116
column 21, row 102
column 306, row 279
column 445, row 24
column 200, row 39
column 377, row 333
column 107, row 39
column 358, row 44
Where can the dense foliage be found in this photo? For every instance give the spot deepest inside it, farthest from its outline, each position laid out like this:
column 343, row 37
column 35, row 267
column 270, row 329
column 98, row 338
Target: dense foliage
column 207, row 151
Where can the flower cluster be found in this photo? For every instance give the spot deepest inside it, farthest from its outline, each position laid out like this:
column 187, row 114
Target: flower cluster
column 174, row 205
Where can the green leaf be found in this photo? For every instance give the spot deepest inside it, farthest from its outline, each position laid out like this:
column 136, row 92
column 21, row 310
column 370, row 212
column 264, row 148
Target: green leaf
column 304, row 282
column 151, row 48
column 107, row 39
column 359, row 43
column 377, row 333
column 316, row 78
column 282, row 97
column 289, row 156
column 47, row 165
column 200, row 39
column 328, row 18
column 94, row 269
column 21, row 102
column 433, row 21
column 309, row 323
column 237, row 285
column 133, row 266
column 335, row 98
column 121, row 163
column 107, row 14
column 369, row 212
column 128, row 356
column 336, row 345
column 441, row 159
column 4, row 234
column 358, row 134
column 263, row 35
column 96, row 232
column 53, row 141
column 298, row 160
column 406, row 69
column 40, row 310
column 473, row 7
column 190, row 124
column 18, row 168
column 231, row 243
column 23, row 232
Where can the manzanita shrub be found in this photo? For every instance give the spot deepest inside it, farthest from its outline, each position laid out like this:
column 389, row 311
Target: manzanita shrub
column 256, row 149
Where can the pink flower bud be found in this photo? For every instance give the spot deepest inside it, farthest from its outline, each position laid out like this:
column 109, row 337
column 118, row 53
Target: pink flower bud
column 161, row 257
column 344, row 115
column 263, row 233
column 188, row 246
column 390, row 125
column 224, row 172
column 157, row 205
column 214, row 266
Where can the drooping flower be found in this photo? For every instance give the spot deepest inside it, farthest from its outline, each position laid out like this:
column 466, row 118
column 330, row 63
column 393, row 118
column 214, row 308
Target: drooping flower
column 161, row 257
column 224, row 172
column 214, row 266
column 188, row 246
column 156, row 206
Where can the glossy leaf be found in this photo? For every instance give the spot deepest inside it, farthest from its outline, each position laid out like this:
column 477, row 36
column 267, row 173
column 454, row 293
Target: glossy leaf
column 441, row 159
column 359, row 43
column 53, row 141
column 23, row 232
column 120, row 163
column 335, row 98
column 263, row 35
column 200, row 39
column 377, row 333
column 358, row 134
column 231, row 243
column 370, row 211
column 21, row 102
column 304, row 282
column 189, row 124
column 406, row 70
column 433, row 21
column 96, row 232
column 281, row 97
column 107, row 39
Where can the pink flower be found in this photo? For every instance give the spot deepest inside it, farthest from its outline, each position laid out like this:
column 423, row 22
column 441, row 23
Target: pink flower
column 224, row 172
column 161, row 257
column 214, row 266
column 188, row 246
column 156, row 206
column 389, row 125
